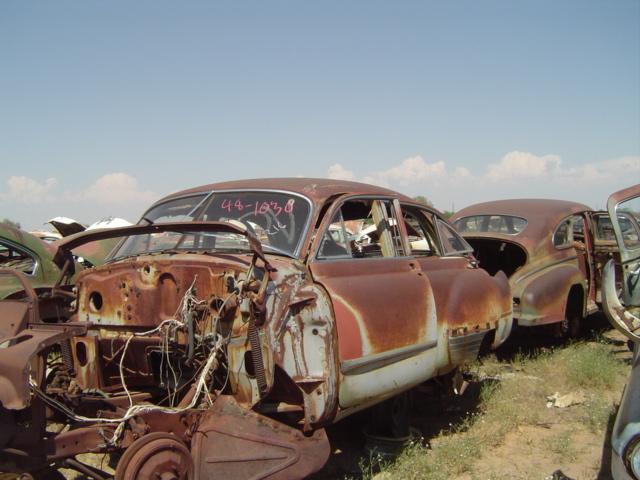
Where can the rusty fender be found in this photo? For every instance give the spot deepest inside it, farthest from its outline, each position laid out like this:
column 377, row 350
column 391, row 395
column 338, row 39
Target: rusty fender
column 23, row 339
column 19, row 360
column 543, row 295
column 301, row 338
column 472, row 302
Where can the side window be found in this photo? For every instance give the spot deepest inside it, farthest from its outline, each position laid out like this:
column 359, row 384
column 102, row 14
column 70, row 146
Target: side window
column 628, row 214
column 629, row 232
column 16, row 258
column 604, row 228
column 578, row 228
column 336, row 242
column 362, row 228
column 420, row 231
column 452, row 243
column 563, row 236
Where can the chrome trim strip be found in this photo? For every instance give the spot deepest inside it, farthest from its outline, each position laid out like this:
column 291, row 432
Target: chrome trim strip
column 379, row 360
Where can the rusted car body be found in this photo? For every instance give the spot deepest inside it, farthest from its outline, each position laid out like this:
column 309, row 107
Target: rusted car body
column 624, row 209
column 22, row 251
column 32, row 256
column 553, row 252
column 233, row 323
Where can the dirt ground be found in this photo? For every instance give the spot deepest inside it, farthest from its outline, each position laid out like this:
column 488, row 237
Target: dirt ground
column 557, row 448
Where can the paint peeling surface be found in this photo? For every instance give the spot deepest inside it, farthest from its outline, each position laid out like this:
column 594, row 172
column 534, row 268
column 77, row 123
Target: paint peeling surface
column 233, row 323
column 552, row 251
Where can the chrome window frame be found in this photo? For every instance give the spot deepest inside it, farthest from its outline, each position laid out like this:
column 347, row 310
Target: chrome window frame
column 208, row 195
column 341, row 201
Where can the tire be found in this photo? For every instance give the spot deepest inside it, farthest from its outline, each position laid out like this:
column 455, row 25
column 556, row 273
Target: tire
column 569, row 327
column 391, row 417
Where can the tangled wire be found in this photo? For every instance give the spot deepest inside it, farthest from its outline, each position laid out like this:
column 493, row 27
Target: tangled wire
column 167, row 329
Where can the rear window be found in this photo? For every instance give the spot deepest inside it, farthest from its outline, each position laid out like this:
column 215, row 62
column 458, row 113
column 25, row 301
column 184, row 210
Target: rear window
column 505, row 224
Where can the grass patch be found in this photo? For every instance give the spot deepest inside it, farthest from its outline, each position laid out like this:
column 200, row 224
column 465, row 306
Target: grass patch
column 591, row 365
column 562, row 446
column 597, row 413
column 514, row 394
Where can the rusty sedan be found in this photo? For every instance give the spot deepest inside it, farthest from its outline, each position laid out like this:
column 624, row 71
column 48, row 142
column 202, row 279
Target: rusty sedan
column 31, row 255
column 233, row 323
column 553, row 252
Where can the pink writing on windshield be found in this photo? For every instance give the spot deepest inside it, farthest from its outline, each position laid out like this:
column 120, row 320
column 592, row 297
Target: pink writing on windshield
column 259, row 208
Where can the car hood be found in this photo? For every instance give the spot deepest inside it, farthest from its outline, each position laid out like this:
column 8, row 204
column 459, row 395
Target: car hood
column 67, row 245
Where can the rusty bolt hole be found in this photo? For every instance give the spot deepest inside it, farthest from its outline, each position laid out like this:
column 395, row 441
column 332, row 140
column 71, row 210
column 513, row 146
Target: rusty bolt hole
column 248, row 364
column 81, row 353
column 95, row 301
column 146, row 269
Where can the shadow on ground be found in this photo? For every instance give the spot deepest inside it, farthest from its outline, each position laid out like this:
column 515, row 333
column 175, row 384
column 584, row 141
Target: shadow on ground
column 435, row 408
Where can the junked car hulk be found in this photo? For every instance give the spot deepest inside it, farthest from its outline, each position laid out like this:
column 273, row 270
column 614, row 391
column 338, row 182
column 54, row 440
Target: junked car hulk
column 233, row 323
column 553, row 252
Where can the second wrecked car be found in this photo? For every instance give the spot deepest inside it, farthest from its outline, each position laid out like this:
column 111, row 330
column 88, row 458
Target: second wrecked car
column 553, row 252
column 234, row 322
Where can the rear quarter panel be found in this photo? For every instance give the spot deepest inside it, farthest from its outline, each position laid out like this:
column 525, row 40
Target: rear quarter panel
column 543, row 293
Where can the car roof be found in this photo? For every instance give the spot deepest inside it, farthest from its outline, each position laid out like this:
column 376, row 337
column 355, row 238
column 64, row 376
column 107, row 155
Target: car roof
column 542, row 216
column 26, row 240
column 525, row 208
column 316, row 189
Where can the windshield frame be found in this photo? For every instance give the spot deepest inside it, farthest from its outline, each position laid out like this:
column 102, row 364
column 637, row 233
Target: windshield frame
column 206, row 200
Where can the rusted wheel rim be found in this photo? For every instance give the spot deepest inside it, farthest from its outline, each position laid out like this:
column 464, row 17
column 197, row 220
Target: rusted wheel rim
column 157, row 456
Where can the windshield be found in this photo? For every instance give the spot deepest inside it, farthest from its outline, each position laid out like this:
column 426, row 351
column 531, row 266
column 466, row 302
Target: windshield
column 506, row 224
column 277, row 220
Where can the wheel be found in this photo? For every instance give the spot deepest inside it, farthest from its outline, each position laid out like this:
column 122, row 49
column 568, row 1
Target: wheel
column 569, row 327
column 159, row 455
column 391, row 417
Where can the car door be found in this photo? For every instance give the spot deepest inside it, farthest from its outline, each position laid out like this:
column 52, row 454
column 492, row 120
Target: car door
column 382, row 301
column 624, row 211
column 583, row 241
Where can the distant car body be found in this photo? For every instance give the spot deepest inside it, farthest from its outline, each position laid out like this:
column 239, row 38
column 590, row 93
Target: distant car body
column 553, row 252
column 32, row 256
column 24, row 252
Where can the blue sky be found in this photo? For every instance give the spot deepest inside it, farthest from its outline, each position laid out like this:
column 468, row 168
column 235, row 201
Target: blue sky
column 106, row 106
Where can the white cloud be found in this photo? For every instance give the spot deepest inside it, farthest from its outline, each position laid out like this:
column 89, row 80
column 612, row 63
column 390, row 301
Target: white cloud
column 338, row 172
column 29, row 191
column 115, row 189
column 32, row 202
column 519, row 165
column 409, row 171
column 516, row 175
